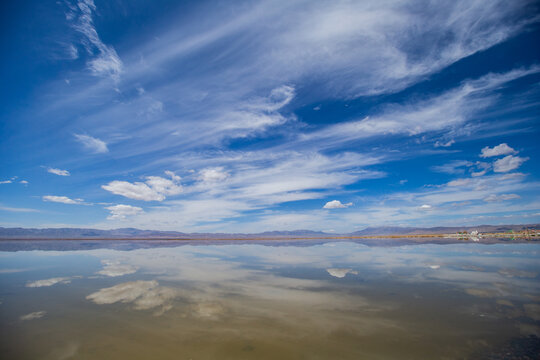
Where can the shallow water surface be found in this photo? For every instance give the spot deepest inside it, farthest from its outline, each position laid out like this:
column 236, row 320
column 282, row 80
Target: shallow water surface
column 286, row 300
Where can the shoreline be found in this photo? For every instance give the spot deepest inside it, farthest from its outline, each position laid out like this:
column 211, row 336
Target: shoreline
column 457, row 237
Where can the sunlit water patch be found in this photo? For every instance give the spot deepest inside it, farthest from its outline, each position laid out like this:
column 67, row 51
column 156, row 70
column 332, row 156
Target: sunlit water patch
column 305, row 300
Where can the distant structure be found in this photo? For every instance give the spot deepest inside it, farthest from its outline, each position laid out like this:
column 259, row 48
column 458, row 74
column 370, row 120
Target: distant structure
column 474, row 235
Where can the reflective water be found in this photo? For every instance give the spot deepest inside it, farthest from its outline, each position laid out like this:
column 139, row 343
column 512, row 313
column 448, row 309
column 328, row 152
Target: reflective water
column 296, row 300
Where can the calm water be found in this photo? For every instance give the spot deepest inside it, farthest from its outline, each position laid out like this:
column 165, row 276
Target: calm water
column 297, row 300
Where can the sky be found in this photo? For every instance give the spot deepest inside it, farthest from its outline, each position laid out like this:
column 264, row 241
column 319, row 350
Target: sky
column 250, row 116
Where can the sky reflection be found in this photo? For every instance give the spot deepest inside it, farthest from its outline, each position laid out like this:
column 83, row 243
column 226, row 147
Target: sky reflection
column 320, row 291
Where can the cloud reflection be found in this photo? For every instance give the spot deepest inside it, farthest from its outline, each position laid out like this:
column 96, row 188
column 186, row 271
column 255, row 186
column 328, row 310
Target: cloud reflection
column 32, row 316
column 143, row 294
column 49, row 282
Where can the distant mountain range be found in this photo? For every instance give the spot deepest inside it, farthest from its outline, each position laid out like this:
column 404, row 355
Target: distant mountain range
column 131, row 233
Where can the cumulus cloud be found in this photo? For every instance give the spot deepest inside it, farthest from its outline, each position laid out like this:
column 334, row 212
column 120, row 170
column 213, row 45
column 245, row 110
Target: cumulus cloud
column 115, row 268
column 143, row 294
column 6, row 182
column 62, row 199
column 155, row 188
column 336, row 204
column 121, row 211
column 213, row 174
column 426, row 207
column 340, row 273
column 92, row 144
column 136, row 191
column 33, row 315
column 58, row 172
column 24, row 182
column 49, row 282
column 502, row 149
column 501, row 197
column 172, row 175
column 508, row 163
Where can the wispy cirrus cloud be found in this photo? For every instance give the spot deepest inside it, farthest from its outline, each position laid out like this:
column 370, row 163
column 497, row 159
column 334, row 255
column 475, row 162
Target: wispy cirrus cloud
column 447, row 111
column 18, row 209
column 58, row 172
column 104, row 60
column 122, row 211
column 62, row 199
column 378, row 42
column 92, row 144
column 501, row 197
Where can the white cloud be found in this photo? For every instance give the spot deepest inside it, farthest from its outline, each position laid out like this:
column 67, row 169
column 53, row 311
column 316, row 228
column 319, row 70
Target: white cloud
column 459, row 182
column 444, row 144
column 336, row 204
column 164, row 186
column 256, row 114
column 508, row 163
column 256, row 180
column 173, row 176
column 453, row 167
column 107, row 62
column 136, row 191
column 481, row 168
column 58, row 172
column 92, row 144
column 501, row 197
column 502, row 149
column 49, row 282
column 154, row 189
column 122, row 211
column 450, row 110
column 24, row 182
column 33, row 315
column 386, row 44
column 426, row 207
column 12, row 209
column 6, row 182
column 62, row 199
column 72, row 52
column 213, row 174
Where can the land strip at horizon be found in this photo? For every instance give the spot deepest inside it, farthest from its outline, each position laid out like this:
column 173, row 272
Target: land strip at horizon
column 455, row 236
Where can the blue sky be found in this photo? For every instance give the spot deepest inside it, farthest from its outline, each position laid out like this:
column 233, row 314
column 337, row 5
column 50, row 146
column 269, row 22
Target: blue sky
column 247, row 116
